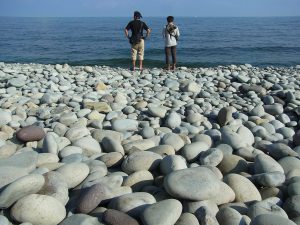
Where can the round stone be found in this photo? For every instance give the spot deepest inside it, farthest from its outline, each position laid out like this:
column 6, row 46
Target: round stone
column 292, row 206
column 81, row 219
column 229, row 216
column 224, row 116
column 141, row 160
column 164, row 212
column 174, row 140
column 233, row 164
column 211, row 157
column 173, row 120
column 138, row 180
column 266, row 206
column 172, row 163
column 112, row 216
column 111, row 159
column 244, row 190
column 91, row 198
column 201, row 182
column 74, row 173
column 20, row 188
column 269, row 219
column 192, row 151
column 133, row 204
column 89, row 145
column 38, row 210
column 124, row 125
column 55, row 186
column 265, row 164
column 30, row 133
column 187, row 219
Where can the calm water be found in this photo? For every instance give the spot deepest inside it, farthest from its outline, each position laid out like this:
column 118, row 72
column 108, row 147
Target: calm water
column 101, row 41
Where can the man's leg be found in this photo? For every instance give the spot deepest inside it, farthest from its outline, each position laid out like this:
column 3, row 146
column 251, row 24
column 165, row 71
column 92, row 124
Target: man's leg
column 133, row 56
column 174, row 60
column 167, row 53
column 141, row 50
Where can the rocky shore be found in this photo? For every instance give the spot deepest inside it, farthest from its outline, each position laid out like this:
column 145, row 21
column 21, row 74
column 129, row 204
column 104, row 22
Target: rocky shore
column 198, row 146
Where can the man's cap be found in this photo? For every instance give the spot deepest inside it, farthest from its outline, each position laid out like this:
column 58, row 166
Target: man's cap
column 137, row 14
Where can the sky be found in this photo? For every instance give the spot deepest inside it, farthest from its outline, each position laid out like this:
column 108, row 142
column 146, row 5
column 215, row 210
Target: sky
column 149, row 8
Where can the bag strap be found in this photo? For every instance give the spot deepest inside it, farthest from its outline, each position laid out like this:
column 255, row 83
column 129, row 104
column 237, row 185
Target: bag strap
column 141, row 28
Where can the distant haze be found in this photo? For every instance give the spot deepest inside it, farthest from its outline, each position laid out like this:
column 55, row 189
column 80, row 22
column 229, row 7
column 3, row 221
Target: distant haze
column 148, row 8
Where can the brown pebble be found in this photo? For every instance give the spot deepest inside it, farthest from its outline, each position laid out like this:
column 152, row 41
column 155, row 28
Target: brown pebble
column 115, row 217
column 30, row 133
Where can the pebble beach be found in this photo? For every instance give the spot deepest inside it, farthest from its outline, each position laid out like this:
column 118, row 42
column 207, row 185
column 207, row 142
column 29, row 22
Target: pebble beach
column 99, row 145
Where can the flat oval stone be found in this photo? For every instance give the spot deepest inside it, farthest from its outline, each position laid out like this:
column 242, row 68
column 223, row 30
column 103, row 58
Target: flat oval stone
column 25, row 160
column 111, row 159
column 89, row 145
column 20, row 188
column 265, row 164
column 81, row 219
column 55, row 186
column 211, row 157
column 200, row 182
column 192, row 151
column 142, row 160
column 138, row 180
column 292, row 206
column 133, row 204
column 265, row 207
column 77, row 132
column 229, row 216
column 244, row 190
column 112, row 145
column 174, row 140
column 38, row 210
column 91, row 198
column 163, row 150
column 112, row 216
column 124, row 125
column 233, row 164
column 74, row 173
column 164, row 212
column 172, row 163
column 187, row 219
column 289, row 163
column 267, row 219
column 30, row 133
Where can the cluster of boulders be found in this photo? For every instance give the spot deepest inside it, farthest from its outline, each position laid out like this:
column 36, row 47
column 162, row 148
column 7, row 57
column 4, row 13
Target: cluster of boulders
column 197, row 146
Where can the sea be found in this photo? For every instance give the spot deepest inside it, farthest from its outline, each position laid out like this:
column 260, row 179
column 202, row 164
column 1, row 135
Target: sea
column 204, row 42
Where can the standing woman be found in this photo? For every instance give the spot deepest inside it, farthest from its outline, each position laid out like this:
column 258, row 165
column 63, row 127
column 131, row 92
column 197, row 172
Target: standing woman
column 170, row 34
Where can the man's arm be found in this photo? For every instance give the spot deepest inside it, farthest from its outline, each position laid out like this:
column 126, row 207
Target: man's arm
column 126, row 33
column 148, row 33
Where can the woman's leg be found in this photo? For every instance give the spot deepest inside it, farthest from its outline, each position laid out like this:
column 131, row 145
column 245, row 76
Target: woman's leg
column 168, row 53
column 174, row 60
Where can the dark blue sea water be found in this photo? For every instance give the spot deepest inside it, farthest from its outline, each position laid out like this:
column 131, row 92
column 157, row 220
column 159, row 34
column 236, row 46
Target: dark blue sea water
column 101, row 41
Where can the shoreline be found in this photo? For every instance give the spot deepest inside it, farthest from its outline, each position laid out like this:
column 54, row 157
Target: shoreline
column 98, row 143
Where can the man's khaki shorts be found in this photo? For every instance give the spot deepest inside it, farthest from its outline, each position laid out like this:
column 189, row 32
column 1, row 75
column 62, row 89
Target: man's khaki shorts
column 138, row 49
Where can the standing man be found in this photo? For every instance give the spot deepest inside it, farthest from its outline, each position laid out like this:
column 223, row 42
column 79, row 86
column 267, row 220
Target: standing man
column 137, row 39
column 171, row 35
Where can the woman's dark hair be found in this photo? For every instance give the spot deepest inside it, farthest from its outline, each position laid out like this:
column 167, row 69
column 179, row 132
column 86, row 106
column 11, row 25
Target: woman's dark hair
column 170, row 19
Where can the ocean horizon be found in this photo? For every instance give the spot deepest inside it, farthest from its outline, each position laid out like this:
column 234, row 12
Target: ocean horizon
column 204, row 41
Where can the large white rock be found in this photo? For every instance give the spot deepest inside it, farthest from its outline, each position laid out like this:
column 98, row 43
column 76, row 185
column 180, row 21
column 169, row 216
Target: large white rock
column 38, row 210
column 74, row 173
column 133, row 204
column 201, row 183
column 89, row 145
column 244, row 189
column 124, row 125
column 165, row 212
column 141, row 160
column 24, row 186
